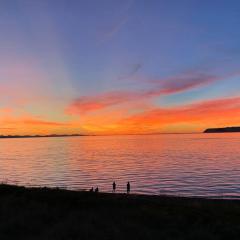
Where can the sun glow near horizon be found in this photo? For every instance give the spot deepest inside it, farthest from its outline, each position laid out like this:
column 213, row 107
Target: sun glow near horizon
column 140, row 69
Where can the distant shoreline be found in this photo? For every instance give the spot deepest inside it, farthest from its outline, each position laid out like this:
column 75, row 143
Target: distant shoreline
column 209, row 130
column 86, row 135
column 223, row 130
column 42, row 136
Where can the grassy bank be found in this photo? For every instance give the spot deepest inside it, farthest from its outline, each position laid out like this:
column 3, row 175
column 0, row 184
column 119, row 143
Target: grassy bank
column 59, row 214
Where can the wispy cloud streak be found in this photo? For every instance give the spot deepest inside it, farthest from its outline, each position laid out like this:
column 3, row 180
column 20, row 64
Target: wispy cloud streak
column 10, row 120
column 115, row 28
column 168, row 86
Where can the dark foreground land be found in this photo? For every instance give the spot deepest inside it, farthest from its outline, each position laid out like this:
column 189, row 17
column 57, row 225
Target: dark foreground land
column 59, row 214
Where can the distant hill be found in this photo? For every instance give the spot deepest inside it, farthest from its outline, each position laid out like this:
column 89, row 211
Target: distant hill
column 222, row 130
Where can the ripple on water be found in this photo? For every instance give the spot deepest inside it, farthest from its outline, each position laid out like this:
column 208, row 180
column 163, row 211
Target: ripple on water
column 187, row 165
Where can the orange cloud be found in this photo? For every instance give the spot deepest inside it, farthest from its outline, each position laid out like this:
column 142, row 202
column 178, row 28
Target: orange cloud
column 208, row 113
column 29, row 125
column 181, row 83
column 195, row 117
column 42, row 122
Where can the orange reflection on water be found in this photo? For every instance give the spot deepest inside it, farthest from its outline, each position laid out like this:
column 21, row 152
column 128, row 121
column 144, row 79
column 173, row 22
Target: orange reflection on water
column 185, row 164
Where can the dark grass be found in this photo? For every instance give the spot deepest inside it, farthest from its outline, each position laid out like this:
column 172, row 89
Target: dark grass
column 41, row 213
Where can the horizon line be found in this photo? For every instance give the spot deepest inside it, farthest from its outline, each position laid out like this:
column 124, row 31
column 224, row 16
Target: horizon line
column 89, row 135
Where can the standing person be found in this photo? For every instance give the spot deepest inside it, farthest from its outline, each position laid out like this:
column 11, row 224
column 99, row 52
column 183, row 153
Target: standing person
column 96, row 190
column 128, row 187
column 114, row 186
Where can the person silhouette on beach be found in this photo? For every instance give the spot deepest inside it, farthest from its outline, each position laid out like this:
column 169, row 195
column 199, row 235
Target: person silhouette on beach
column 91, row 190
column 114, row 186
column 128, row 187
column 96, row 190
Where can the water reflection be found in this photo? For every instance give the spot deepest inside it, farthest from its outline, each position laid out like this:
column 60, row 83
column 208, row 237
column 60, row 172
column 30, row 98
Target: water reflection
column 188, row 164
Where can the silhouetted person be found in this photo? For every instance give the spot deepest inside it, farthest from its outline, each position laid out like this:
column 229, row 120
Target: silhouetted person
column 128, row 187
column 114, row 186
column 91, row 190
column 96, row 190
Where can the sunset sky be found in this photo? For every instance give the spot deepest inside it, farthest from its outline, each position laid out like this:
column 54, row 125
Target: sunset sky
column 118, row 67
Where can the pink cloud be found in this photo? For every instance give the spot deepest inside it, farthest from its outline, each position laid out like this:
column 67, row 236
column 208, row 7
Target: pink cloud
column 168, row 86
column 187, row 81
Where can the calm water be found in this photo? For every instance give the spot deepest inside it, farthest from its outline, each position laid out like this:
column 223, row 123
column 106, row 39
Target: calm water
column 186, row 164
